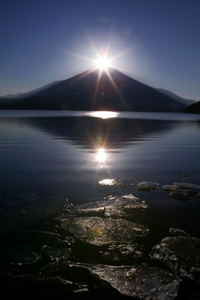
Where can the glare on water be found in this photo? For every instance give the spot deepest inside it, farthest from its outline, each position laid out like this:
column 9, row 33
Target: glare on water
column 103, row 114
column 101, row 155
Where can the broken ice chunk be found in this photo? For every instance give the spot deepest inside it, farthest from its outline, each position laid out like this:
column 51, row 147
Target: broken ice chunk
column 107, row 182
column 169, row 187
column 178, row 232
column 117, row 252
column 147, row 186
column 56, row 253
column 113, row 212
column 181, row 254
column 126, row 181
column 185, row 185
column 101, row 231
column 136, row 281
column 111, row 206
column 180, row 196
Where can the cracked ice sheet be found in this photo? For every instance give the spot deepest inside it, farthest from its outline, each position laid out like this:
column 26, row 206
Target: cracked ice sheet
column 101, row 231
column 111, row 205
column 144, row 282
column 181, row 254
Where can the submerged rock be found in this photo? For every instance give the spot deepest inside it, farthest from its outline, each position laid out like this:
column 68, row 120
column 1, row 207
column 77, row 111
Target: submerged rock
column 101, row 231
column 147, row 186
column 180, row 195
column 136, row 281
column 181, row 254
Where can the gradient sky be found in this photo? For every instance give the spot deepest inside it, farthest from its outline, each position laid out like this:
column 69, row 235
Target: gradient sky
column 45, row 40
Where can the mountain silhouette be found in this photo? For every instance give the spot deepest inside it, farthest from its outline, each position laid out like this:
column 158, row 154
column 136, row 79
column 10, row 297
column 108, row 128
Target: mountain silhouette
column 89, row 91
column 193, row 108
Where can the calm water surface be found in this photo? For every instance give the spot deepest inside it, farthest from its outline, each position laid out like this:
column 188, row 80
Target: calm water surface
column 47, row 157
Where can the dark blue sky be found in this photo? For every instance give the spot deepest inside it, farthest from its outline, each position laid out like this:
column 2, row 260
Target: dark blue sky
column 41, row 41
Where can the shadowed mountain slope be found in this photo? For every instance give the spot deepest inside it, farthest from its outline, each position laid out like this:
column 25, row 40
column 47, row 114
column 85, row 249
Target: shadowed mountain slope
column 193, row 108
column 89, row 91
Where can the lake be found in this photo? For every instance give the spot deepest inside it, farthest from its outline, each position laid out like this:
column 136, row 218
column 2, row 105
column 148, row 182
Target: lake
column 83, row 192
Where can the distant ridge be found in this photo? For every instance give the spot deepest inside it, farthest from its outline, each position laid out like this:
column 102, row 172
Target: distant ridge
column 193, row 108
column 87, row 91
column 176, row 97
column 13, row 96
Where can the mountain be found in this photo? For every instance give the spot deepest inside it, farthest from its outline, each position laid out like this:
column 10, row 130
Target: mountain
column 29, row 94
column 176, row 97
column 193, row 108
column 88, row 91
column 13, row 96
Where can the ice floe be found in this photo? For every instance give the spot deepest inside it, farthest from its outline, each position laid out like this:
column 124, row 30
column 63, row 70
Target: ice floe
column 168, row 187
column 181, row 254
column 182, row 191
column 144, row 282
column 111, row 205
column 147, row 186
column 177, row 232
column 56, row 253
column 185, row 185
column 108, row 182
column 104, row 231
column 118, row 252
column 180, row 195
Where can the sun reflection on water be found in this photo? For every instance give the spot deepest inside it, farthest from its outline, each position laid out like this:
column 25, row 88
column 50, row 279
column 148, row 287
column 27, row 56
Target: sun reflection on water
column 101, row 155
column 103, row 114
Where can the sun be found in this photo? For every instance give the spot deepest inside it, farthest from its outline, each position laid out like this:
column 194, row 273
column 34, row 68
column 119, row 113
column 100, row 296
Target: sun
column 102, row 63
